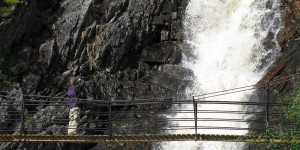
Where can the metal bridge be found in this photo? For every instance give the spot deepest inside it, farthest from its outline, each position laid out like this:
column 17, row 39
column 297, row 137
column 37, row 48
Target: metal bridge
column 35, row 118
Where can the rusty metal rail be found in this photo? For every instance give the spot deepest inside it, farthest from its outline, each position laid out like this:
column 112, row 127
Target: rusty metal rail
column 137, row 138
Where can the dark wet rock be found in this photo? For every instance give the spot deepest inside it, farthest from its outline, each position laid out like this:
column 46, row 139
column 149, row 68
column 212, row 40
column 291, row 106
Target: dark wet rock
column 68, row 25
column 92, row 31
column 29, row 20
column 115, row 8
column 290, row 20
column 31, row 82
column 162, row 53
column 269, row 4
column 288, row 37
column 269, row 42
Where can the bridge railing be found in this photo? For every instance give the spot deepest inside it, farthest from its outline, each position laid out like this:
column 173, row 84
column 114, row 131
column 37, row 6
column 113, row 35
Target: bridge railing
column 155, row 117
column 212, row 113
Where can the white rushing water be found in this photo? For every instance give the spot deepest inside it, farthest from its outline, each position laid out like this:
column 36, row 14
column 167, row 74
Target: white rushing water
column 226, row 37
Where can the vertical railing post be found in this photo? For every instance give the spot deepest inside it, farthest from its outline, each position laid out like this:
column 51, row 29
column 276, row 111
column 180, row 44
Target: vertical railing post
column 22, row 120
column 94, row 117
column 110, row 121
column 22, row 117
column 267, row 129
column 195, row 117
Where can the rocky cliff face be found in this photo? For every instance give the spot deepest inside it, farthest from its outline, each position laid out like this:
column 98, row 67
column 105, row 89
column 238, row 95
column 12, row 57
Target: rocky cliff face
column 125, row 49
column 118, row 46
column 288, row 38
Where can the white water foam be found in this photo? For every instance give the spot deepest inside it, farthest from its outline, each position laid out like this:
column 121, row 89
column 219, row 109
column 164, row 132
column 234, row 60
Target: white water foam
column 226, row 37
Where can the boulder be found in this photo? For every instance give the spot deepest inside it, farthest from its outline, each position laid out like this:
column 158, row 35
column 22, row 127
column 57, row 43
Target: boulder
column 46, row 53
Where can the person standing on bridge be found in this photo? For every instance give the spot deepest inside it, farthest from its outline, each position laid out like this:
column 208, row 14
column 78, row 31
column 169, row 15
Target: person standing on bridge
column 74, row 87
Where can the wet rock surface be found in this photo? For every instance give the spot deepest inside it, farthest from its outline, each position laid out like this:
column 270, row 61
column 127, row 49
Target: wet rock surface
column 288, row 37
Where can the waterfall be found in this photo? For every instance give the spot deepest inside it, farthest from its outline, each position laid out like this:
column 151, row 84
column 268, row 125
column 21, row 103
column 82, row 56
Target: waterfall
column 228, row 42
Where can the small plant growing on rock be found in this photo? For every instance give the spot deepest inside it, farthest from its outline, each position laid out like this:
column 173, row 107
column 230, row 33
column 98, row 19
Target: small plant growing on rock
column 6, row 7
column 10, row 71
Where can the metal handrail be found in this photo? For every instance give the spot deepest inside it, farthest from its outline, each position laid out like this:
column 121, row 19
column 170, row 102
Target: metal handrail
column 25, row 115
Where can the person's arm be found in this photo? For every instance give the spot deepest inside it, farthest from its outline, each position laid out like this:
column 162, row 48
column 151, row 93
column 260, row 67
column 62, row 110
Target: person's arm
column 80, row 82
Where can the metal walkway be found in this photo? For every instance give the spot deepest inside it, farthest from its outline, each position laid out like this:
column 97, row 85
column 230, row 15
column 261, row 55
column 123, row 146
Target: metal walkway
column 136, row 138
column 35, row 118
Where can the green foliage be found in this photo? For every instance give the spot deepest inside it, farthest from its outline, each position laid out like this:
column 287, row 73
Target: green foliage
column 16, row 69
column 4, row 82
column 11, row 68
column 29, row 119
column 7, row 9
column 289, row 137
column 292, row 113
column 293, row 110
column 12, row 2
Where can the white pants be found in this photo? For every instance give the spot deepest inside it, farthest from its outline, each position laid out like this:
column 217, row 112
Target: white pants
column 73, row 120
